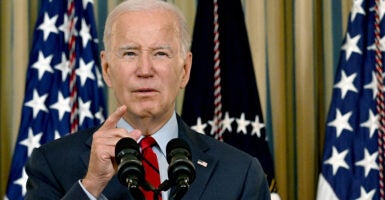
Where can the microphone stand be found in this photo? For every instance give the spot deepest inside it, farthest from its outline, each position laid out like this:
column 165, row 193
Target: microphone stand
column 181, row 188
column 133, row 187
column 182, row 185
column 162, row 187
column 136, row 192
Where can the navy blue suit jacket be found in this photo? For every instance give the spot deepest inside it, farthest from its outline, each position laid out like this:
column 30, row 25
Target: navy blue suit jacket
column 55, row 168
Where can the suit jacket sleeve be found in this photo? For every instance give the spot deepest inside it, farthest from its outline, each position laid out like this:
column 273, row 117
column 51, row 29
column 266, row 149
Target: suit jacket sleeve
column 43, row 184
column 255, row 185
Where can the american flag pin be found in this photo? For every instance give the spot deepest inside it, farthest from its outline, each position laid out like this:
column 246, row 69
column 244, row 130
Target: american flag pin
column 203, row 163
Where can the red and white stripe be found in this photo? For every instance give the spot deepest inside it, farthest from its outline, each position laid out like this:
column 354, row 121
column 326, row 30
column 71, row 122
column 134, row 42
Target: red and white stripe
column 74, row 121
column 217, row 123
column 380, row 107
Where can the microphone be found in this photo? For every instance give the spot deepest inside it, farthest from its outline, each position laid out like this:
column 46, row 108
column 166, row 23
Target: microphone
column 130, row 168
column 181, row 170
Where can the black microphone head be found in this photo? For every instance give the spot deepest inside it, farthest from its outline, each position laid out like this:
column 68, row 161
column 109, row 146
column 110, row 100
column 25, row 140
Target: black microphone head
column 130, row 169
column 179, row 159
column 177, row 143
column 123, row 144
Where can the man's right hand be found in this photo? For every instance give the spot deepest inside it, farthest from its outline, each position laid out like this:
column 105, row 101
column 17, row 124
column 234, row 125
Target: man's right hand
column 102, row 164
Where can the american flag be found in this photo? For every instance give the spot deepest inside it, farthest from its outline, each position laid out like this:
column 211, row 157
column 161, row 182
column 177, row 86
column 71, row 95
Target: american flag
column 64, row 87
column 221, row 99
column 353, row 150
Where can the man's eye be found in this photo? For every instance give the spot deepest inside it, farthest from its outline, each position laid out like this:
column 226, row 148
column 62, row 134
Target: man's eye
column 129, row 53
column 161, row 53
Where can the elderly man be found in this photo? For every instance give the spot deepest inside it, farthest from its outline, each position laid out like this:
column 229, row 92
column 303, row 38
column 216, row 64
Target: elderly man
column 145, row 63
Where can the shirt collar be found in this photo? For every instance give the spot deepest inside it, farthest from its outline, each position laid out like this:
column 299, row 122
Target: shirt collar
column 168, row 132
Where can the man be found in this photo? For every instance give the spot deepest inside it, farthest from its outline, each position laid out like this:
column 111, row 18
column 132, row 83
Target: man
column 146, row 62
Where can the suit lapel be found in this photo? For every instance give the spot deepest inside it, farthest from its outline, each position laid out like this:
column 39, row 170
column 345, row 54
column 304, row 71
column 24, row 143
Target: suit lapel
column 204, row 163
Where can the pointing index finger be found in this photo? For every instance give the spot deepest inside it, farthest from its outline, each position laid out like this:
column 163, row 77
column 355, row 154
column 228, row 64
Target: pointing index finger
column 113, row 119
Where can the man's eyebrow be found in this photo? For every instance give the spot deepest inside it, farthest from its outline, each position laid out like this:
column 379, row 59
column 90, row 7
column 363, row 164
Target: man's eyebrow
column 135, row 47
column 128, row 47
column 162, row 47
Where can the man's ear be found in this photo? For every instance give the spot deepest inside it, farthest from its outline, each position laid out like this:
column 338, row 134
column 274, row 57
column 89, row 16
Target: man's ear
column 105, row 68
column 187, row 70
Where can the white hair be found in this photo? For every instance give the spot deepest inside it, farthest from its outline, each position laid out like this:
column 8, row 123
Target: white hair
column 144, row 5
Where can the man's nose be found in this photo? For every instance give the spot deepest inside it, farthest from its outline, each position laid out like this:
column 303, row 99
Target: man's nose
column 145, row 66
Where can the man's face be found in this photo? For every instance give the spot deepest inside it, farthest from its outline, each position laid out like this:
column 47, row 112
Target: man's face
column 144, row 65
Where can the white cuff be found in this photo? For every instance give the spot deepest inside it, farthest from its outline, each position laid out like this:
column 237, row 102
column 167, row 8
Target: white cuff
column 90, row 196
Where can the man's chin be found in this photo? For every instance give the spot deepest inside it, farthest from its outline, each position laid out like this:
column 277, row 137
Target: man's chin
column 145, row 113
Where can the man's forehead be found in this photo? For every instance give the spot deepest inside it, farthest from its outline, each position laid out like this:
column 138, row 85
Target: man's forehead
column 134, row 46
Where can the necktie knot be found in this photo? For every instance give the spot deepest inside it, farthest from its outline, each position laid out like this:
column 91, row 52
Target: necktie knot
column 147, row 142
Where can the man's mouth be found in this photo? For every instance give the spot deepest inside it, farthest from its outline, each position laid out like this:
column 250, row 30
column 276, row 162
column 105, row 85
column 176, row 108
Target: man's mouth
column 144, row 90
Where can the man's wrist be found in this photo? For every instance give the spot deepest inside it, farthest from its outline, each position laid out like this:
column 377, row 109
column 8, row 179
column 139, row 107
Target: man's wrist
column 94, row 189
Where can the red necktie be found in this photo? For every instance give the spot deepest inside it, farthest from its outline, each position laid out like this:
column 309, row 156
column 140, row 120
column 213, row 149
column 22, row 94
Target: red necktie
column 150, row 164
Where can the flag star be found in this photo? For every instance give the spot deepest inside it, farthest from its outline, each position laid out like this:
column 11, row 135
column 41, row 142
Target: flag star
column 32, row 141
column 99, row 115
column 199, row 127
column 346, row 84
column 48, row 26
column 85, row 33
column 84, row 110
column 227, row 121
column 85, row 3
column 356, row 9
column 216, row 127
column 37, row 103
column 366, row 196
column 43, row 64
column 368, row 162
column 242, row 124
column 341, row 122
column 62, row 105
column 99, row 78
column 381, row 8
column 257, row 127
column 65, row 28
column 85, row 71
column 22, row 181
column 381, row 45
column 372, row 85
column 371, row 123
column 63, row 66
column 337, row 160
column 213, row 126
column 351, row 46
column 57, row 135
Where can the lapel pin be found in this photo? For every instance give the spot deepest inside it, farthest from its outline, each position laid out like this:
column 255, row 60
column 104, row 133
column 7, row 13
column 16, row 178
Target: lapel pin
column 203, row 163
